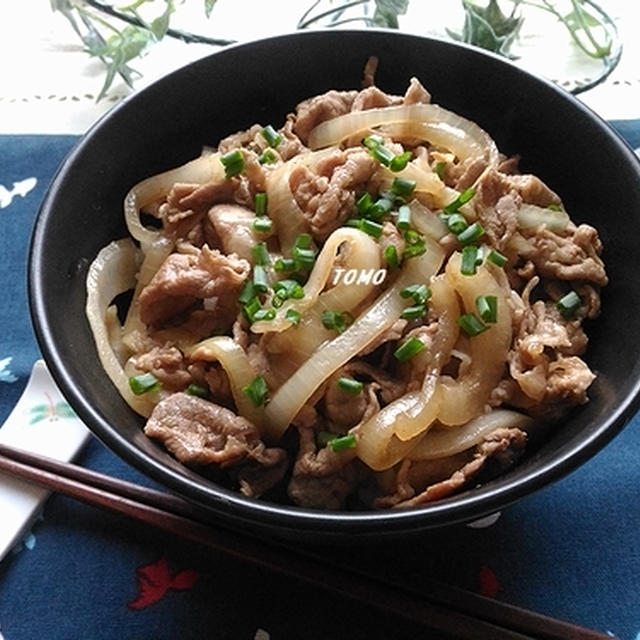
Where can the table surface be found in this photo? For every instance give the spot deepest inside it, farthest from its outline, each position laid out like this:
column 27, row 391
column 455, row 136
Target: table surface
column 569, row 551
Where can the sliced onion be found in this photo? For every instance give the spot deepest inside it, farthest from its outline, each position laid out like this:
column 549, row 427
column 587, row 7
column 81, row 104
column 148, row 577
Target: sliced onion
column 465, row 397
column 447, row 441
column 361, row 248
column 113, row 272
column 207, row 168
column 531, row 216
column 427, row 222
column 389, row 435
column 298, row 343
column 157, row 253
column 292, row 395
column 237, row 366
column 452, row 130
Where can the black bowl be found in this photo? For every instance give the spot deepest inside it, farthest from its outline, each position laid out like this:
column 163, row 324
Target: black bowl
column 166, row 124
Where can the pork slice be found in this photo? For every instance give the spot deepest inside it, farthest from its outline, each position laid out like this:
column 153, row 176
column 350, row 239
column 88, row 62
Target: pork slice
column 198, row 432
column 575, row 255
column 184, row 279
column 416, row 93
column 167, row 364
column 499, row 451
column 322, row 479
column 544, row 358
column 326, row 106
column 328, row 200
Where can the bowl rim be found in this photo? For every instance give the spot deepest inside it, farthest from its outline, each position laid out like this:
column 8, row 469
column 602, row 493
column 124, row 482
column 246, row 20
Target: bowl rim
column 463, row 507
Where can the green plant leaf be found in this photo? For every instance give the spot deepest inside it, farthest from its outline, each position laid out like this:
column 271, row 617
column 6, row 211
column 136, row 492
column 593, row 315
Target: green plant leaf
column 208, row 7
column 387, row 12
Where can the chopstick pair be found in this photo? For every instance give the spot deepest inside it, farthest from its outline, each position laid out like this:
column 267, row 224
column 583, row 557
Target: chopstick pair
column 452, row 612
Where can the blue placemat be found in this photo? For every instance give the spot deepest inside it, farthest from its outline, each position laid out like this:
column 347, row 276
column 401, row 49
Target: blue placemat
column 569, row 551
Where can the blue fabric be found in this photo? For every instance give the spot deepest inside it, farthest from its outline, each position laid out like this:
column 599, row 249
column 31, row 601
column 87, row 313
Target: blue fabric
column 570, row 551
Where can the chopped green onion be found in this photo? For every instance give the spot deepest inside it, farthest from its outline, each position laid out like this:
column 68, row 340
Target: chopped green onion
column 260, row 254
column 415, row 244
column 267, row 157
column 456, row 223
column 420, row 293
column 370, row 227
column 569, row 304
column 342, row 443
column 257, row 391
column 391, row 256
column 304, row 259
column 497, row 258
column 251, row 308
column 383, row 155
column 144, row 383
column 293, row 316
column 364, row 203
column 408, row 349
column 487, row 307
column 336, row 320
column 402, row 187
column 373, row 141
column 272, row 137
column 196, row 390
column 264, row 314
column 471, row 233
column 286, row 289
column 469, row 261
column 303, row 241
column 404, row 218
column 463, row 198
column 400, row 162
column 263, row 225
column 350, row 385
column 233, row 162
column 260, row 279
column 471, row 324
column 284, row 264
column 260, row 203
column 248, row 293
column 411, row 313
column 554, row 207
column 379, row 209
column 439, row 169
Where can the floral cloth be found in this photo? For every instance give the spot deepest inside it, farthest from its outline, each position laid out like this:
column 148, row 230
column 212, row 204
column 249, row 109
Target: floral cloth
column 569, row 551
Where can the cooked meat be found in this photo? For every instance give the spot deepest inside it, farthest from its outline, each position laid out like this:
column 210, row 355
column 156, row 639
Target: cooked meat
column 499, row 451
column 322, row 479
column 167, row 364
column 198, row 432
column 345, row 410
column 416, row 93
column 544, row 358
column 327, row 194
column 184, row 279
column 575, row 256
column 326, row 106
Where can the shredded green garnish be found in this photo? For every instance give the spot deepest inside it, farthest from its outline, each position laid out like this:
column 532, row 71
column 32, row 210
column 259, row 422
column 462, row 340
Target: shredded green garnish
column 233, row 162
column 144, row 383
column 568, row 304
column 408, row 349
column 257, row 391
column 471, row 324
column 350, row 385
column 272, row 137
column 487, row 307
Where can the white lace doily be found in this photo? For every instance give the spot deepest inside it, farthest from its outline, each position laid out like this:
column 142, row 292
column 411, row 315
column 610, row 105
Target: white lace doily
column 48, row 83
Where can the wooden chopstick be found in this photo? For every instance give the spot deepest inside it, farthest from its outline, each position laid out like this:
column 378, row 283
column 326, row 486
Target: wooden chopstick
column 450, row 611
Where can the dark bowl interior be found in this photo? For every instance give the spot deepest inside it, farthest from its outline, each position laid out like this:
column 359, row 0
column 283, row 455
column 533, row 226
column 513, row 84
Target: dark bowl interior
column 166, row 124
